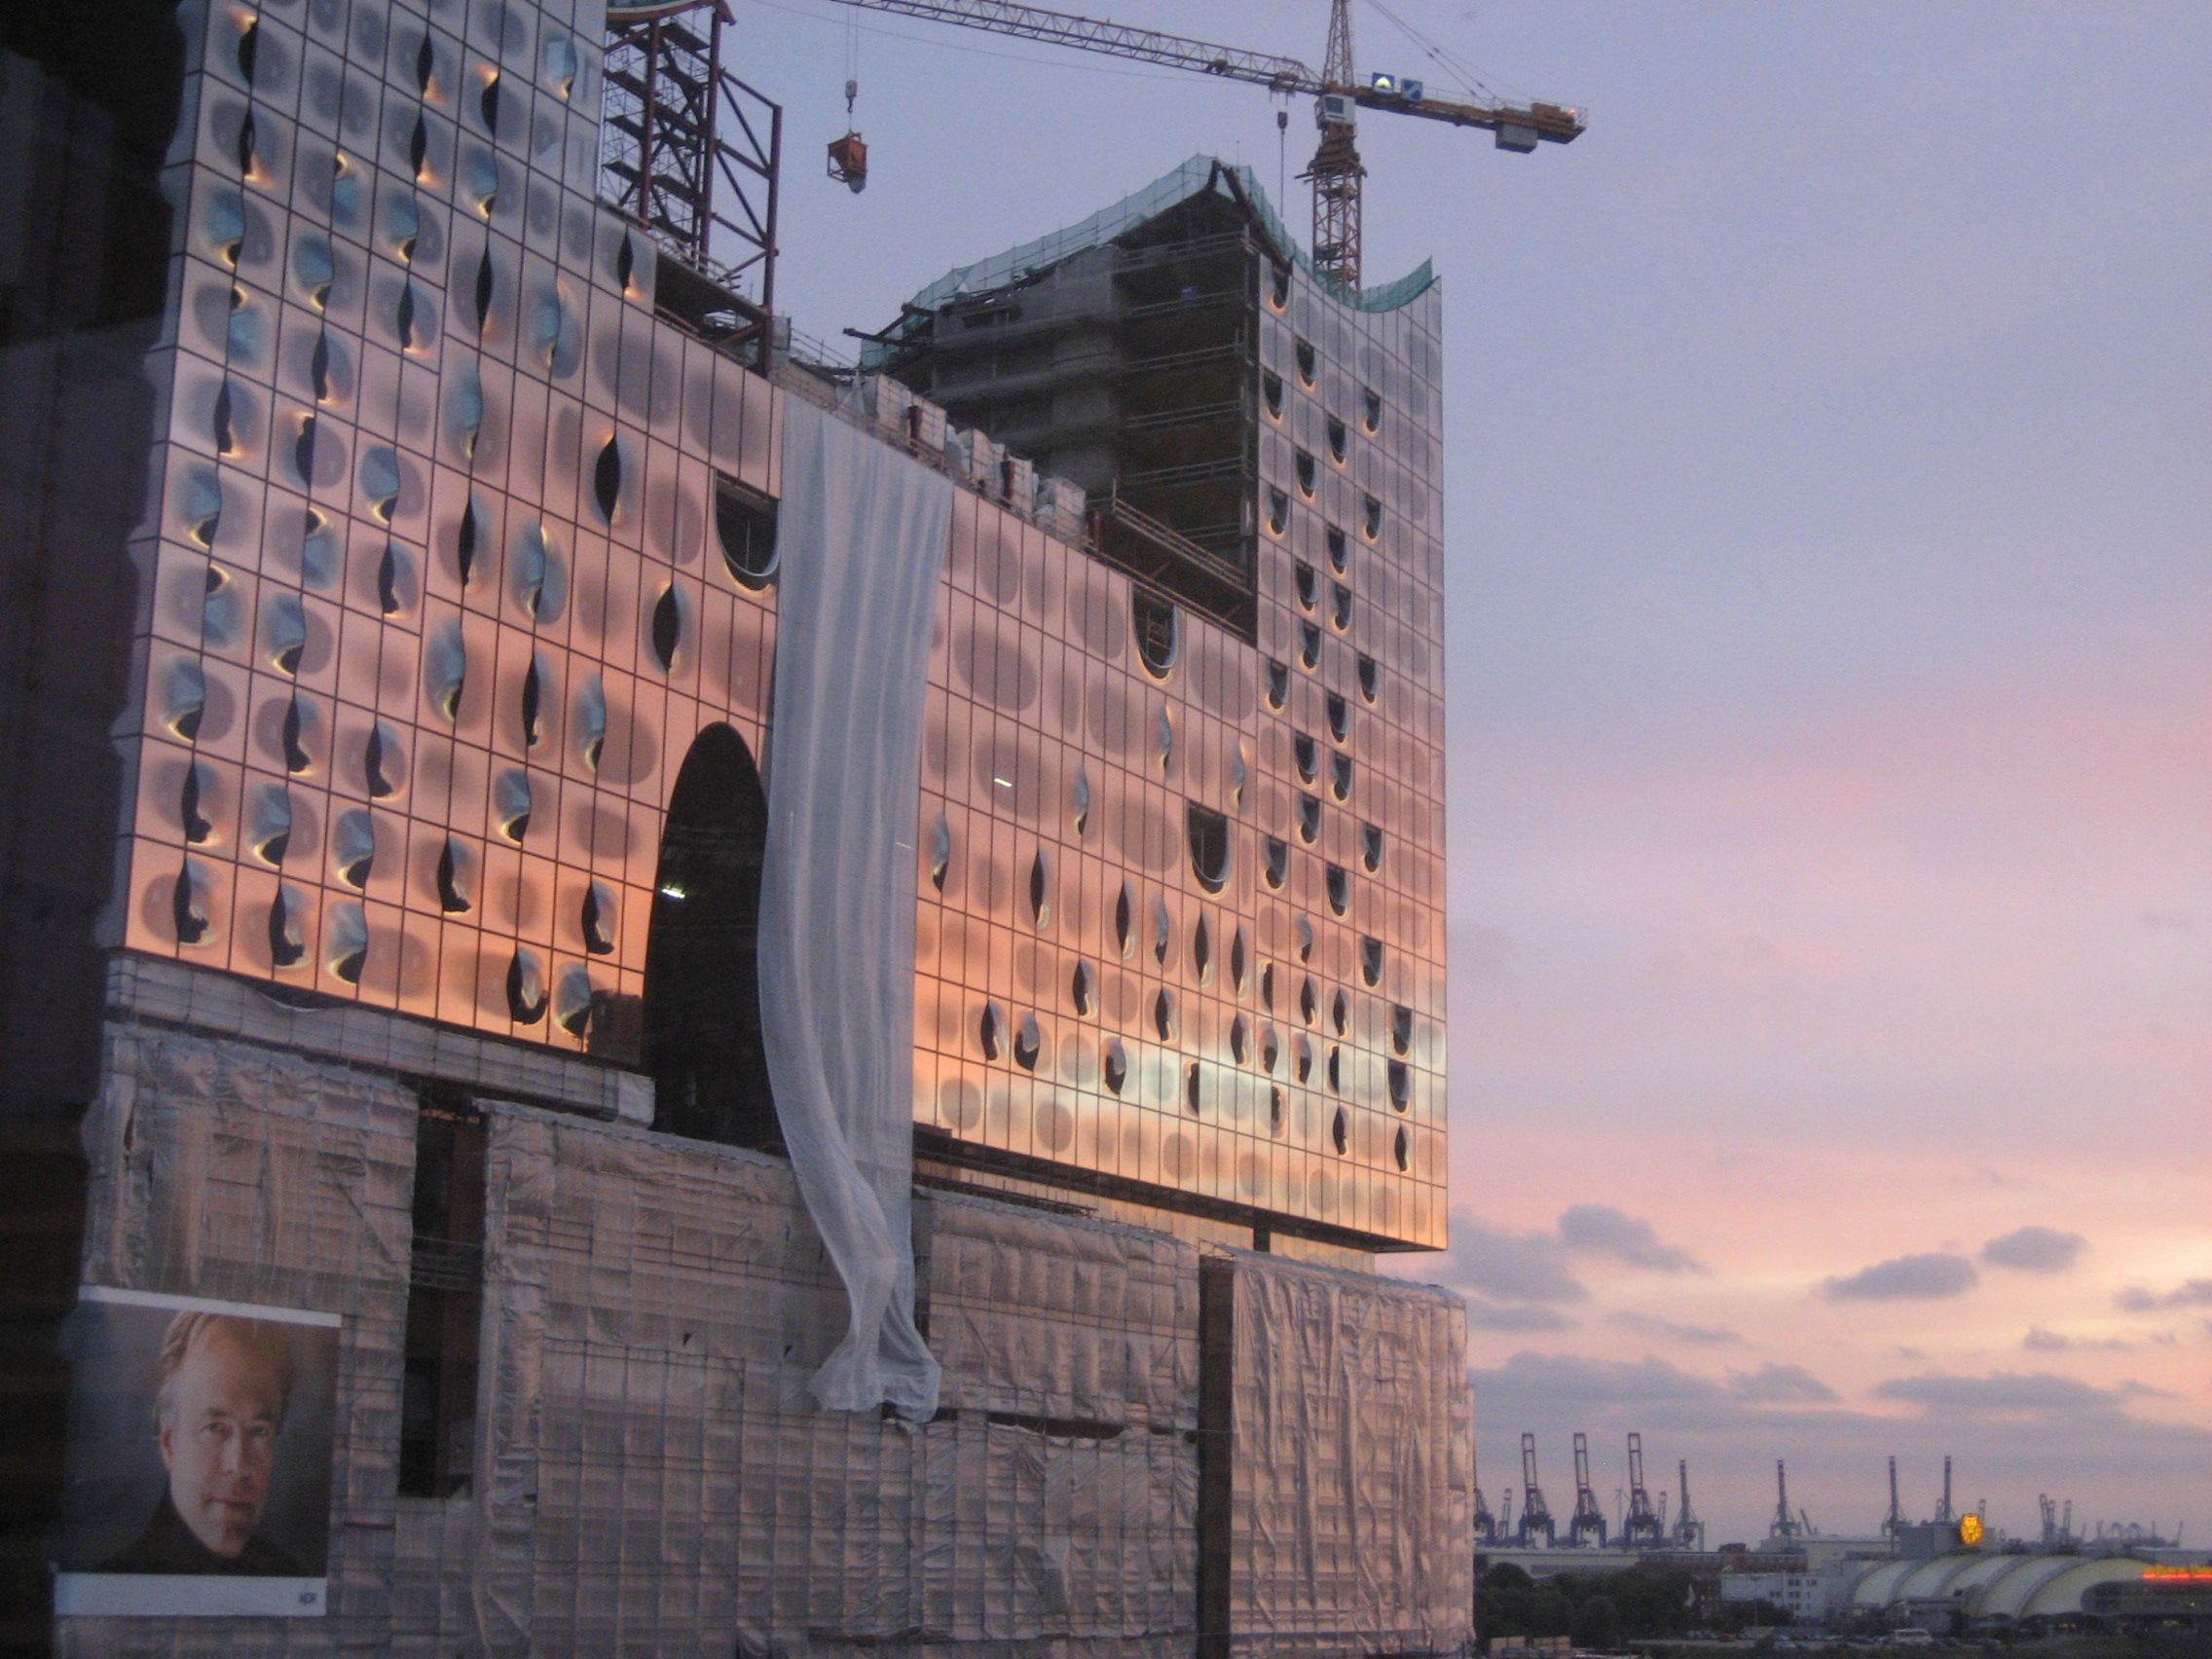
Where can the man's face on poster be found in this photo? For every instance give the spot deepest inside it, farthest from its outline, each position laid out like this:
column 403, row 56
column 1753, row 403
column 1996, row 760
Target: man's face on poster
column 218, row 1437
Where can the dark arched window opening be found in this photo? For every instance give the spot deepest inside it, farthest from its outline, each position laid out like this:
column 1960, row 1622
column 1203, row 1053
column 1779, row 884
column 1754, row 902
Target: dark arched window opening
column 702, row 1013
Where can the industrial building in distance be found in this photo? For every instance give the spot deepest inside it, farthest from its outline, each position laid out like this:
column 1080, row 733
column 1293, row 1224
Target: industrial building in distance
column 1950, row 1575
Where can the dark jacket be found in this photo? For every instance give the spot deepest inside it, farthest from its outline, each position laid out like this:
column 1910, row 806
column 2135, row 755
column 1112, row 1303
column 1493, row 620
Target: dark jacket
column 168, row 1545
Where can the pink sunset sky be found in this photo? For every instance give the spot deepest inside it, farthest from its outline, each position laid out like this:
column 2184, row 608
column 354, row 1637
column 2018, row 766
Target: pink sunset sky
column 1831, row 626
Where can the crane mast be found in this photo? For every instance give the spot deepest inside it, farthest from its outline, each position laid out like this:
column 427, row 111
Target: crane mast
column 1588, row 1520
column 1535, row 1513
column 1645, row 1525
column 1785, row 1525
column 1336, row 171
column 1689, row 1531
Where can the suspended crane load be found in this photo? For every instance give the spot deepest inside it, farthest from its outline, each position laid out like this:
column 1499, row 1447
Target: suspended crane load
column 1689, row 1531
column 1338, row 91
column 848, row 155
column 1535, row 1513
column 1784, row 1525
column 1588, row 1521
column 1644, row 1525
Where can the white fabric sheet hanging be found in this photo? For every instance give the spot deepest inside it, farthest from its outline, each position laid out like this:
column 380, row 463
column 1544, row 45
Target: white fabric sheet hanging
column 862, row 537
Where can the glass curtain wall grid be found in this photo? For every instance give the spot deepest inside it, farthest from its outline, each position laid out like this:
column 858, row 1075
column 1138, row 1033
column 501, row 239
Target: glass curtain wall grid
column 463, row 542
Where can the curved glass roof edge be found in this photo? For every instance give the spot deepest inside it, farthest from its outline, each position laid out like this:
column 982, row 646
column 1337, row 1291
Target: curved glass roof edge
column 1195, row 175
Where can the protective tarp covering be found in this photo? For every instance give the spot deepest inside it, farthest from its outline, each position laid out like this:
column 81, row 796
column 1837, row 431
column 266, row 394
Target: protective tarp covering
column 862, row 534
column 242, row 1173
column 1355, row 1476
column 649, row 1473
column 656, row 1477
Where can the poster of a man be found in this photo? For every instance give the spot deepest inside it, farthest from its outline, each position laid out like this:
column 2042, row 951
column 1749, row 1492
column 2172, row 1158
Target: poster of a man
column 200, row 1456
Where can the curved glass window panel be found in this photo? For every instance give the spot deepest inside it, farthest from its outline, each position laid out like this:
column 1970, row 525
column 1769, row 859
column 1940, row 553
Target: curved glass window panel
column 1040, row 889
column 1208, row 848
column 1154, row 622
column 744, row 529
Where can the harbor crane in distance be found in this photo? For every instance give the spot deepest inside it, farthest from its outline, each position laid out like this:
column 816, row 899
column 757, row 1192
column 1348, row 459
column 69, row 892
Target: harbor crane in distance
column 1689, row 1531
column 1485, row 1524
column 1644, row 1524
column 1535, row 1513
column 1339, row 94
column 1588, row 1519
column 1785, row 1524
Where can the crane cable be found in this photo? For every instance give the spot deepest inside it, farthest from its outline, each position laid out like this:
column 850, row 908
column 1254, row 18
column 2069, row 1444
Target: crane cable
column 1471, row 80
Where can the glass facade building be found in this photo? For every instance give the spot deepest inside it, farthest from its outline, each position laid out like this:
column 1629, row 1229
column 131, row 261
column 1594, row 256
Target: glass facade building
column 389, row 750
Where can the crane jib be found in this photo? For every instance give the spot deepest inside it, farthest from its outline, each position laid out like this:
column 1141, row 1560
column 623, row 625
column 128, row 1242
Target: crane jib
column 1336, row 171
